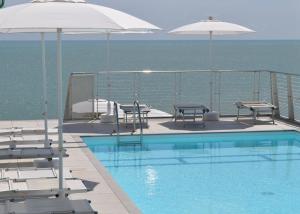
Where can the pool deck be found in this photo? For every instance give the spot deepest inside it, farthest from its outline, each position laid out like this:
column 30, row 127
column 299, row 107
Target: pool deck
column 106, row 196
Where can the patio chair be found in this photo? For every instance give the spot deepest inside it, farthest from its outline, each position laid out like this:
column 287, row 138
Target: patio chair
column 37, row 188
column 47, row 206
column 256, row 107
column 32, row 173
column 33, row 152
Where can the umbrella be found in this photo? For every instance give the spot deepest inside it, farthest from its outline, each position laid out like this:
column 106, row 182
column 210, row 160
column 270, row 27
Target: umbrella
column 60, row 16
column 211, row 27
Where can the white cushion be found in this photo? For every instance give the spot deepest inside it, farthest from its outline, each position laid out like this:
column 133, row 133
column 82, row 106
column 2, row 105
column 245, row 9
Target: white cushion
column 211, row 116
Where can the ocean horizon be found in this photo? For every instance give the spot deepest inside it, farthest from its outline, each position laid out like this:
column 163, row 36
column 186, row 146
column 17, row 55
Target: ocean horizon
column 21, row 80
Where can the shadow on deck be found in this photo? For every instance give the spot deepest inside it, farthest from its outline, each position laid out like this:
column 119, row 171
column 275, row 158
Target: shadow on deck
column 166, row 125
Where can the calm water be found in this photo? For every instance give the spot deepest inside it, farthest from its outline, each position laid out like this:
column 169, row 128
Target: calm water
column 207, row 173
column 20, row 82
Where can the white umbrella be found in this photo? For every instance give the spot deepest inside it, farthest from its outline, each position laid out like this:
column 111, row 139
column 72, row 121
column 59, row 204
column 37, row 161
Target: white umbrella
column 57, row 16
column 211, row 27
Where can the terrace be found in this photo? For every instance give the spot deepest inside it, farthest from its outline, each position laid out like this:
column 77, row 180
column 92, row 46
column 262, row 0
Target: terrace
column 106, row 196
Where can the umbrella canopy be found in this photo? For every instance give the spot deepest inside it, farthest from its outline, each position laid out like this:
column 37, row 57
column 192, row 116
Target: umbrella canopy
column 211, row 27
column 42, row 16
column 68, row 15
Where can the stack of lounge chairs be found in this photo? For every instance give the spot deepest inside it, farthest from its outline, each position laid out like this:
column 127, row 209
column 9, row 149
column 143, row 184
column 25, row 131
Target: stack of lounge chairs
column 32, row 190
column 15, row 137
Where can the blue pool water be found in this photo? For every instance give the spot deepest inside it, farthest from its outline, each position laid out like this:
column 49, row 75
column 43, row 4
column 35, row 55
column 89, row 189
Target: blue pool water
column 230, row 173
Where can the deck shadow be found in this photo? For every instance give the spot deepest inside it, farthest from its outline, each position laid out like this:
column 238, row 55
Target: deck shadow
column 209, row 125
column 94, row 128
column 90, row 185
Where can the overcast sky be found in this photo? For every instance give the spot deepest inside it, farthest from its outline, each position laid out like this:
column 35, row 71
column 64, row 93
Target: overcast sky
column 272, row 19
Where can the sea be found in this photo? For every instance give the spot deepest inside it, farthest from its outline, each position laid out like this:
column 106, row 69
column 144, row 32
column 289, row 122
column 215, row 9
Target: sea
column 21, row 67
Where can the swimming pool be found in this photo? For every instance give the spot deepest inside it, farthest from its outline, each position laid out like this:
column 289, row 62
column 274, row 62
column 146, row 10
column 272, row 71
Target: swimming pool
column 228, row 173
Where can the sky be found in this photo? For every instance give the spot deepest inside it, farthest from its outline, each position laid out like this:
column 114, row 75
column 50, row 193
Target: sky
column 271, row 19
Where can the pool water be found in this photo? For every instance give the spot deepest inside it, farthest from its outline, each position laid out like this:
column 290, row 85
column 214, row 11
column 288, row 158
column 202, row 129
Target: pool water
column 229, row 173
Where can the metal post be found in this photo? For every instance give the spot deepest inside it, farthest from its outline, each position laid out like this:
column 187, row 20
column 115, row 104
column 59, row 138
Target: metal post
column 45, row 97
column 134, row 86
column 59, row 110
column 274, row 93
column 219, row 92
column 254, row 87
column 180, row 87
column 290, row 98
column 175, row 88
column 138, row 93
column 108, row 74
column 211, row 74
column 258, row 85
column 97, row 95
column 134, row 117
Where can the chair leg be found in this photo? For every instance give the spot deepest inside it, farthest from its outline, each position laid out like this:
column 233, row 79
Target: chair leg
column 238, row 114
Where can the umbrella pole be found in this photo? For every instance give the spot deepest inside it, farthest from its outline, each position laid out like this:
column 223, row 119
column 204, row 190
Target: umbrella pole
column 211, row 75
column 59, row 110
column 108, row 73
column 45, row 113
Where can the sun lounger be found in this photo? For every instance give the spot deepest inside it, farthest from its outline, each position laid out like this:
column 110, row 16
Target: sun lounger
column 23, row 153
column 32, row 173
column 25, row 131
column 189, row 110
column 11, row 189
column 12, row 141
column 256, row 107
column 47, row 206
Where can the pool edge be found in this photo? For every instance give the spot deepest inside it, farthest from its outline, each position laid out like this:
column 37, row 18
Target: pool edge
column 116, row 189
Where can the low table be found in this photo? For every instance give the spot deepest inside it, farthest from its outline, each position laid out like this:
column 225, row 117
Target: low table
column 129, row 109
column 192, row 110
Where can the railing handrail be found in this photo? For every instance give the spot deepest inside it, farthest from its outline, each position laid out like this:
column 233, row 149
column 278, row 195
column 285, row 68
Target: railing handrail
column 136, row 104
column 190, row 71
column 116, row 113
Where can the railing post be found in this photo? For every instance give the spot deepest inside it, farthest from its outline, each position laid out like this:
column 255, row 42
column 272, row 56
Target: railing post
column 175, row 88
column 219, row 92
column 258, row 85
column 254, row 86
column 290, row 98
column 274, row 93
column 179, row 88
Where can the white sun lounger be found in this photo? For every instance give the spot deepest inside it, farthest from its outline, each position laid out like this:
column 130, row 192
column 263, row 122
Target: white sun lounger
column 256, row 107
column 23, row 153
column 47, row 206
column 32, row 173
column 11, row 189
column 12, row 142
column 25, row 131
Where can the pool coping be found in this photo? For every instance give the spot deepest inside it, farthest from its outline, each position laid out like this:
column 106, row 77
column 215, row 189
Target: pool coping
column 189, row 133
column 123, row 197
